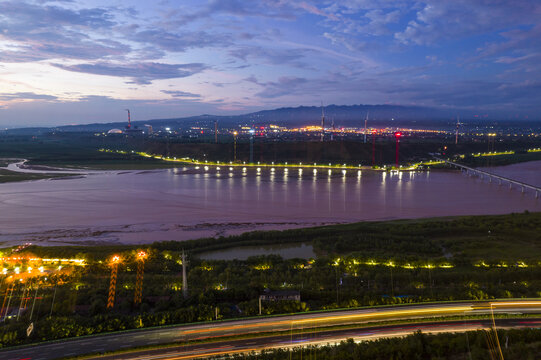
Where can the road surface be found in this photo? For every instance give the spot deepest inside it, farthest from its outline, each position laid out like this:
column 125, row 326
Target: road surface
column 313, row 337
column 214, row 332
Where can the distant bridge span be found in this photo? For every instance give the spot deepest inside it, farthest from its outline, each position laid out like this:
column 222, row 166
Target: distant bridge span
column 491, row 176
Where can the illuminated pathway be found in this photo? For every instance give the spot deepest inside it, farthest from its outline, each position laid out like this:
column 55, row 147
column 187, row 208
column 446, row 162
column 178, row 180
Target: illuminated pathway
column 217, row 164
column 312, row 322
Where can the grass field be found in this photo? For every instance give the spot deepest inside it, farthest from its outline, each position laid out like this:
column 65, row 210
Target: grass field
column 13, row 176
column 466, row 239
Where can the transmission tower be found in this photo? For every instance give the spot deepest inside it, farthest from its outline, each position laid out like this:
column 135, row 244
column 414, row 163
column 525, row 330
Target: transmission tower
column 138, row 297
column 9, row 289
column 112, row 285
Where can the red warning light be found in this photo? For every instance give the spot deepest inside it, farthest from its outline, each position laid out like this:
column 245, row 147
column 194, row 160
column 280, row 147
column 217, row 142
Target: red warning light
column 398, row 134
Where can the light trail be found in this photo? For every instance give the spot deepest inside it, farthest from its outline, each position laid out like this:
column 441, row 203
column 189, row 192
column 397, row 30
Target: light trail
column 348, row 318
column 322, row 339
column 256, row 334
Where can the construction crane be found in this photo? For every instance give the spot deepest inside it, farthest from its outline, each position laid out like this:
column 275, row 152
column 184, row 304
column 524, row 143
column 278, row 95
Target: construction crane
column 138, row 296
column 112, row 284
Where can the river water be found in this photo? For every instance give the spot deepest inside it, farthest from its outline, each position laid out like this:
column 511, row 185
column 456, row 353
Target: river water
column 180, row 204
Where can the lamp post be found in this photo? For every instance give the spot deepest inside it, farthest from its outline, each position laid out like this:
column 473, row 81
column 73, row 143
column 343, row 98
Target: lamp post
column 374, row 147
column 252, row 131
column 397, row 135
column 235, row 146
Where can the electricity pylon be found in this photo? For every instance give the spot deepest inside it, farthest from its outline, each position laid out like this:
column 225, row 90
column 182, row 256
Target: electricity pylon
column 112, row 285
column 9, row 289
column 138, row 296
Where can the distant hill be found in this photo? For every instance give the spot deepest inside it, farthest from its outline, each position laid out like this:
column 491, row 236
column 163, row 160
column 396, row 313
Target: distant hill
column 343, row 115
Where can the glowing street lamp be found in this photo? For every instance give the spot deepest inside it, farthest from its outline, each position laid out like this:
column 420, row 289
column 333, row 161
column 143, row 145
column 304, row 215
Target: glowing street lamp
column 397, row 135
column 235, row 145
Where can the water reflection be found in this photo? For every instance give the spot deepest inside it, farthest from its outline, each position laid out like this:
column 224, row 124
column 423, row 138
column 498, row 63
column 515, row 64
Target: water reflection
column 178, row 198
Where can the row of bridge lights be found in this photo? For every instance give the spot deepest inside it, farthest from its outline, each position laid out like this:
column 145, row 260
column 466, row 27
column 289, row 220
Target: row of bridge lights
column 272, row 170
column 286, row 171
column 272, row 163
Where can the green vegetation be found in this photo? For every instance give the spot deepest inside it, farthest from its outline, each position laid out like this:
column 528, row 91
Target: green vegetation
column 499, row 160
column 74, row 150
column 494, row 239
column 6, row 162
column 362, row 264
column 80, row 150
column 475, row 345
column 12, row 176
column 505, row 238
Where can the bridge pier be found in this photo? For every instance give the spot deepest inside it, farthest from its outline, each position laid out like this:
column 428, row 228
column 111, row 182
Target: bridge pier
column 501, row 179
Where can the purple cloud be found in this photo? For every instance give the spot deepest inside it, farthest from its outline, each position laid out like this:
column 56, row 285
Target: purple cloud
column 444, row 19
column 180, row 94
column 182, row 41
column 44, row 32
column 140, row 73
column 26, row 96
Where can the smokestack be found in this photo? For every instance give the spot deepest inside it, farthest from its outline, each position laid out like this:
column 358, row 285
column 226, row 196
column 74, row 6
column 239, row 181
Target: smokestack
column 129, row 119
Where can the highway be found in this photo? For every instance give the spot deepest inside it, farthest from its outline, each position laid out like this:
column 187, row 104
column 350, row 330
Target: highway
column 315, row 338
column 214, row 332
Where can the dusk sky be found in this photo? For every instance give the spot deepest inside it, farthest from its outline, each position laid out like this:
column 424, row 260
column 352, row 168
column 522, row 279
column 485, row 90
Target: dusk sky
column 72, row 62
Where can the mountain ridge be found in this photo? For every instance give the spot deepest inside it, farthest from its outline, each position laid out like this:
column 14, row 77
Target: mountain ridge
column 343, row 115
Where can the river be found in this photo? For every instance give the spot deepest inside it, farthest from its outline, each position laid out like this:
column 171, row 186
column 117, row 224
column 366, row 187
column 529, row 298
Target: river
column 178, row 204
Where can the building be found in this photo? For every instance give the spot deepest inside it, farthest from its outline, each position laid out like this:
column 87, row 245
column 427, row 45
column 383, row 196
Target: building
column 282, row 295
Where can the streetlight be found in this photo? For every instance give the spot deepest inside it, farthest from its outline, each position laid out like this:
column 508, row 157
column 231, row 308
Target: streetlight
column 397, row 135
column 251, row 131
column 374, row 147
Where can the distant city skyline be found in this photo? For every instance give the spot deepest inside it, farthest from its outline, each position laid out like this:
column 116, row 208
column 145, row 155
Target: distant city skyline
column 75, row 62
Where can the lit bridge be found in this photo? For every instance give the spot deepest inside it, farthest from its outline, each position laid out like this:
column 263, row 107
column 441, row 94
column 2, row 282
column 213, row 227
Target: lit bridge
column 501, row 179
